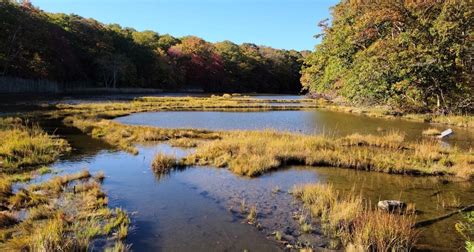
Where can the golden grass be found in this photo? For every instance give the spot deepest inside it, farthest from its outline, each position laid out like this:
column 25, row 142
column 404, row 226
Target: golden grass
column 58, row 183
column 184, row 142
column 22, row 146
column 252, row 216
column 381, row 231
column 63, row 213
column 343, row 216
column 67, row 220
column 124, row 136
column 163, row 163
column 335, row 211
column 145, row 104
column 252, row 153
column 466, row 121
column 431, row 132
column 119, row 246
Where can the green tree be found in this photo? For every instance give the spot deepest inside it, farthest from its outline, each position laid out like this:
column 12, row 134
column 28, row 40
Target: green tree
column 411, row 55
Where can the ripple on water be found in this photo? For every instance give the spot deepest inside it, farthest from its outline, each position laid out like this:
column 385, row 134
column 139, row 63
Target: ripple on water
column 198, row 208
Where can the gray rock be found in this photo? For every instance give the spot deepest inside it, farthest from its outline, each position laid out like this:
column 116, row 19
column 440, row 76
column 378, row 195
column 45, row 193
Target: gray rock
column 392, row 205
column 288, row 238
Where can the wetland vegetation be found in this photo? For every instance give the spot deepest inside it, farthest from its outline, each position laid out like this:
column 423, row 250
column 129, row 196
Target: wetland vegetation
column 342, row 218
column 346, row 218
column 356, row 164
column 63, row 213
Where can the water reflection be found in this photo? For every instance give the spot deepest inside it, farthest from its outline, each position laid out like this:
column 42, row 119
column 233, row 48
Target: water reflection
column 194, row 208
column 308, row 122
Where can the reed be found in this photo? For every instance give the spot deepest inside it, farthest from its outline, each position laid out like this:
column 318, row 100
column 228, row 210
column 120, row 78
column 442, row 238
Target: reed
column 23, row 146
column 163, row 163
column 343, row 216
column 252, row 153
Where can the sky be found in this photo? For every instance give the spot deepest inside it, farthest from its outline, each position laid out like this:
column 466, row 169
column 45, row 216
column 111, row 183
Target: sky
column 284, row 24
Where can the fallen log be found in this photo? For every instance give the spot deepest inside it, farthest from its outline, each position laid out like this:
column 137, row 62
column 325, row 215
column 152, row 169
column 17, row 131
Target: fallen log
column 442, row 217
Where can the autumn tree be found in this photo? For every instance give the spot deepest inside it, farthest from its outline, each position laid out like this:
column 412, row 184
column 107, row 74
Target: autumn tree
column 411, row 55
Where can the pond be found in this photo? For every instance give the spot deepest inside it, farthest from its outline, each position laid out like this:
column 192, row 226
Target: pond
column 308, row 122
column 198, row 208
column 18, row 101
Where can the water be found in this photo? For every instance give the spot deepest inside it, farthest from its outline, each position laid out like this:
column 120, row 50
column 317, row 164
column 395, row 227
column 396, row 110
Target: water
column 20, row 101
column 198, row 208
column 308, row 122
column 171, row 213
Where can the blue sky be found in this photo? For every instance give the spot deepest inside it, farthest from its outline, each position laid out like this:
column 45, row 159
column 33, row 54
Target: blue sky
column 288, row 24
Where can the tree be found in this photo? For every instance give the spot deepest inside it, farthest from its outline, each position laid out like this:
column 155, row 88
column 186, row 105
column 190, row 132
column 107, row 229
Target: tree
column 112, row 68
column 411, row 55
column 69, row 49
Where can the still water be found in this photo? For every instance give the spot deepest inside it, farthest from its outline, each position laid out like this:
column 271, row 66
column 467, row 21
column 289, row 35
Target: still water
column 198, row 208
column 308, row 122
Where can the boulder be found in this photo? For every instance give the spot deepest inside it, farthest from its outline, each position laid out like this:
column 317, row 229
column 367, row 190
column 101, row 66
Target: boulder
column 392, row 205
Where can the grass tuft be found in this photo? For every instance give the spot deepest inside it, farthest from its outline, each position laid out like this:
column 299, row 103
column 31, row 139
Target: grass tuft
column 343, row 216
column 163, row 163
column 431, row 132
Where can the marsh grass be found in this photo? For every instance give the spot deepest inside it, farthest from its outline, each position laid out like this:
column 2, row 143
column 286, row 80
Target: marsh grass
column 278, row 235
column 358, row 228
column 252, row 215
column 448, row 201
column 252, row 153
column 100, row 176
column 67, row 220
column 119, row 246
column 431, row 132
column 306, row 228
column 466, row 121
column 163, row 163
column 57, row 184
column 63, row 213
column 375, row 230
column 124, row 136
column 243, row 207
column 23, row 146
column 466, row 229
column 184, row 142
column 146, row 104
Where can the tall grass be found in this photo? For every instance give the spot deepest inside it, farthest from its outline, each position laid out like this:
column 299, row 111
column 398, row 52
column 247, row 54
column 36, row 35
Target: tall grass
column 251, row 153
column 124, row 136
column 163, row 163
column 466, row 230
column 63, row 213
column 22, row 145
column 381, row 231
column 68, row 219
column 344, row 216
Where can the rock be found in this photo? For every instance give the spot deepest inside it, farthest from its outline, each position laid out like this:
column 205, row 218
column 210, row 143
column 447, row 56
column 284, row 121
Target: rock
column 290, row 239
column 392, row 205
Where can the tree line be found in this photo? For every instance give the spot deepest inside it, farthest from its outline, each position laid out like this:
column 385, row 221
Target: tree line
column 69, row 48
column 409, row 54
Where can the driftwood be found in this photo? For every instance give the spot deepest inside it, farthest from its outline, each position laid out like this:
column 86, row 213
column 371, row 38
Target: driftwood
column 442, row 217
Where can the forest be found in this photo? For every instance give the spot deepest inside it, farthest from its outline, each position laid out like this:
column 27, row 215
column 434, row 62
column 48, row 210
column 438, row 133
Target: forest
column 181, row 144
column 411, row 55
column 72, row 49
